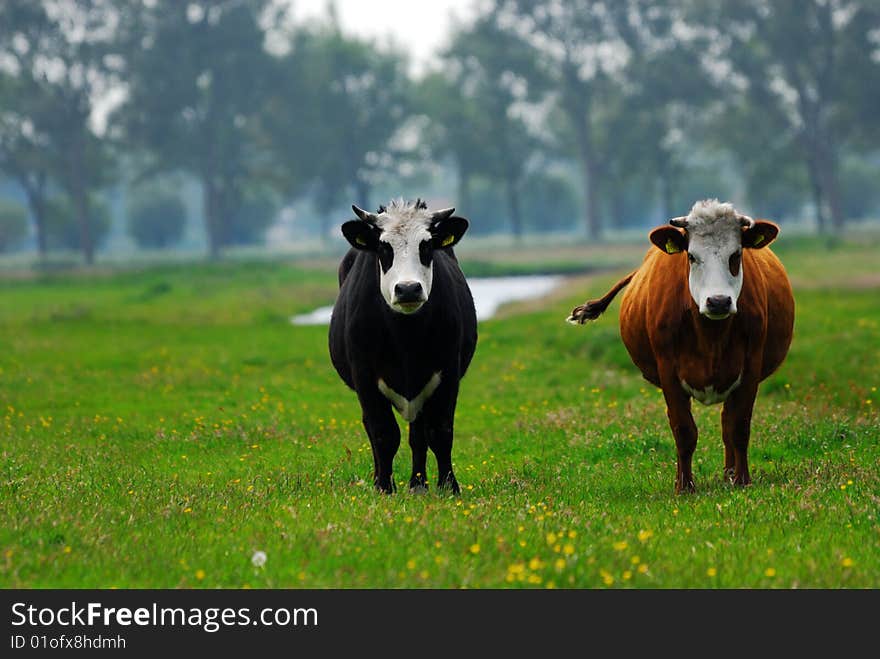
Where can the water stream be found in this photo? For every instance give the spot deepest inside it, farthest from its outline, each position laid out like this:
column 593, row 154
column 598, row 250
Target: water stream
column 489, row 294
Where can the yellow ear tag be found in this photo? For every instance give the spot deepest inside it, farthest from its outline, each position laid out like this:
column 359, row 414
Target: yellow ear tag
column 758, row 240
column 360, row 241
column 671, row 247
column 448, row 240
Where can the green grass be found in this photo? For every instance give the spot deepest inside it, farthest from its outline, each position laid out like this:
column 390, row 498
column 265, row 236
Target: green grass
column 160, row 425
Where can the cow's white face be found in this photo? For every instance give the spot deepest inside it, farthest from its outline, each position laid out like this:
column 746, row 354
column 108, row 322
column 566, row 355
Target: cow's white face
column 405, row 236
column 714, row 235
column 406, row 263
column 715, row 274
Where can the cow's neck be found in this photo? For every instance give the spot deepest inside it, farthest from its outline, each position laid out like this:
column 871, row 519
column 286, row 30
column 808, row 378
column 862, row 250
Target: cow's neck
column 710, row 333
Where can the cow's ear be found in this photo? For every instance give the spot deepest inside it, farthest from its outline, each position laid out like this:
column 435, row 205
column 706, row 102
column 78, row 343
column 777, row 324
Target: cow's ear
column 361, row 235
column 449, row 231
column 760, row 234
column 669, row 239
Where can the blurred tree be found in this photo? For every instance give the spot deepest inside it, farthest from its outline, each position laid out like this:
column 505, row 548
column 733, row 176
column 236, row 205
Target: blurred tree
column 488, row 210
column 334, row 114
column 60, row 55
column 803, row 65
column 456, row 129
column 493, row 71
column 25, row 151
column 13, row 225
column 550, row 202
column 254, row 214
column 63, row 230
column 626, row 88
column 658, row 101
column 767, row 159
column 156, row 218
column 578, row 49
column 195, row 72
column 861, row 193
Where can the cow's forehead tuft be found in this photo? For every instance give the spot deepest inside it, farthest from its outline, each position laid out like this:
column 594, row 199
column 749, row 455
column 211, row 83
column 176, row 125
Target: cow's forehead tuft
column 712, row 217
column 404, row 220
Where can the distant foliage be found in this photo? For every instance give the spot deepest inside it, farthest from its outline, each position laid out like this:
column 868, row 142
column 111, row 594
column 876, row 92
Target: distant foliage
column 248, row 224
column 636, row 103
column 550, row 203
column 861, row 192
column 63, row 230
column 13, row 225
column 487, row 210
column 157, row 221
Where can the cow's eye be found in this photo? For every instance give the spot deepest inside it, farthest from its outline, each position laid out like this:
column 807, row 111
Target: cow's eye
column 426, row 252
column 734, row 263
column 386, row 256
column 691, row 258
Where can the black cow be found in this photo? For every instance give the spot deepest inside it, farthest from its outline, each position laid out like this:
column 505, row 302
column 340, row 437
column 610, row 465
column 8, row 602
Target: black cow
column 403, row 332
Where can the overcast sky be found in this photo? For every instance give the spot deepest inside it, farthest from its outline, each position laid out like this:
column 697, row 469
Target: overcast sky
column 421, row 27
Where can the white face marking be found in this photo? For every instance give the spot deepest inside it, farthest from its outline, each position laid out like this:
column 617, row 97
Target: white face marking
column 409, row 409
column 709, row 396
column 714, row 237
column 406, row 285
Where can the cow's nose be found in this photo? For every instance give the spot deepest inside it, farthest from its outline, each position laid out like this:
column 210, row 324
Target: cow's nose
column 408, row 291
column 718, row 304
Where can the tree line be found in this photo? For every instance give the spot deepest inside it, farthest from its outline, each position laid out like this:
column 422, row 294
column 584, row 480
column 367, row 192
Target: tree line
column 570, row 115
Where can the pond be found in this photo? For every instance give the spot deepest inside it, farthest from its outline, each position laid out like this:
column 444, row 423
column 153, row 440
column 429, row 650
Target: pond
column 489, row 294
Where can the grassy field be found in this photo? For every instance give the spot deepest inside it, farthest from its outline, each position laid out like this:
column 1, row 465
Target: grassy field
column 159, row 426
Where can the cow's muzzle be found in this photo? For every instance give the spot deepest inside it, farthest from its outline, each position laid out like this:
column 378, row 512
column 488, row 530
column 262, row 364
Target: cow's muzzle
column 409, row 296
column 718, row 307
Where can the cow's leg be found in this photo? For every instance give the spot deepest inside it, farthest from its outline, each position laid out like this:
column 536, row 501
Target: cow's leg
column 736, row 428
column 418, row 443
column 440, row 442
column 438, row 416
column 728, row 458
column 384, row 434
column 684, row 430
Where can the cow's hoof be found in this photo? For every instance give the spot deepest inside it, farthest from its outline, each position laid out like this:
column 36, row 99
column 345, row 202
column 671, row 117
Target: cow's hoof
column 450, row 485
column 686, row 487
column 418, row 485
column 384, row 488
column 728, row 474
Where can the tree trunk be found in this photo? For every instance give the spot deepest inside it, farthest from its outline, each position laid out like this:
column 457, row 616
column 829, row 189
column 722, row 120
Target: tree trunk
column 816, row 188
column 211, row 211
column 36, row 196
column 589, row 171
column 513, row 205
column 78, row 188
column 38, row 210
column 591, row 181
column 81, row 202
column 828, row 175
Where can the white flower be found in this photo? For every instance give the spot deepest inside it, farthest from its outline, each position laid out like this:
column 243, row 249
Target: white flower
column 259, row 558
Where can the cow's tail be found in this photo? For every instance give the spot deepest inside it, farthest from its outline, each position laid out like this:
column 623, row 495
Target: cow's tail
column 592, row 309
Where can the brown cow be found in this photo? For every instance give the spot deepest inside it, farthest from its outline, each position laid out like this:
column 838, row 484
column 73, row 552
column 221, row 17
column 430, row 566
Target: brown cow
column 705, row 318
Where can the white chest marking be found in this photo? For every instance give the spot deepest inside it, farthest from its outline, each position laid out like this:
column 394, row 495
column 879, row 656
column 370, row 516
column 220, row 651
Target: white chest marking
column 409, row 409
column 709, row 396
